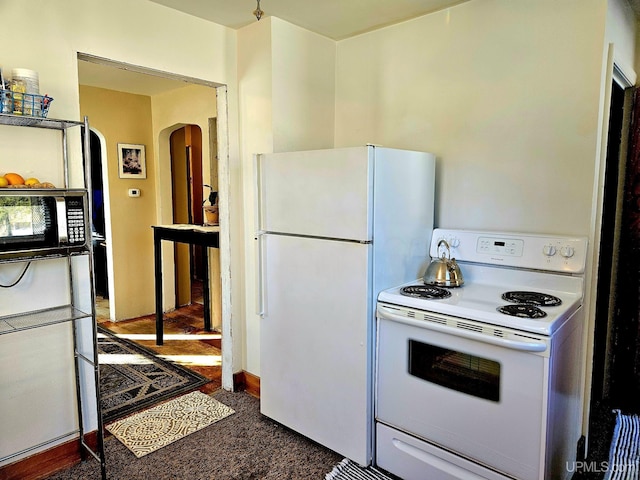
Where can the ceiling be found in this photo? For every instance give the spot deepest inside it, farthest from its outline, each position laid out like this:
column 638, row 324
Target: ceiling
column 336, row 19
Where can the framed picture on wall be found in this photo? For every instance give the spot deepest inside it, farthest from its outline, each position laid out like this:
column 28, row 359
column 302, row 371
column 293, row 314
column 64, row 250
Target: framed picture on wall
column 131, row 161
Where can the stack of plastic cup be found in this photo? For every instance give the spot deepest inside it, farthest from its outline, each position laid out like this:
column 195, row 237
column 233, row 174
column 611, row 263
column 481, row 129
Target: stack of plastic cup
column 32, row 84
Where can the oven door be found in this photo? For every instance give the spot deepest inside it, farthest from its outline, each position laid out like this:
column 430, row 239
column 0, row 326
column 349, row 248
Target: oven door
column 477, row 391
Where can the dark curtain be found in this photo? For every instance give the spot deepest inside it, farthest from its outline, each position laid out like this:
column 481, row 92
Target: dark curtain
column 625, row 367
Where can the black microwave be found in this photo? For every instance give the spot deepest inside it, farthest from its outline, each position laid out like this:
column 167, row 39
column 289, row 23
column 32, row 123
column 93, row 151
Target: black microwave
column 42, row 222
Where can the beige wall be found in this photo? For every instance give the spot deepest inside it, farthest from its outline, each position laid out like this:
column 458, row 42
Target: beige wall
column 126, row 118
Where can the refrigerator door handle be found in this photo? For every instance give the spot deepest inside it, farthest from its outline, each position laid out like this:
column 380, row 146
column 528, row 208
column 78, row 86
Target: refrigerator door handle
column 260, row 275
column 260, row 266
column 257, row 200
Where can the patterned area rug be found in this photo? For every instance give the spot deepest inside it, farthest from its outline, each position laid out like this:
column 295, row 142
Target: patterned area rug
column 624, row 456
column 348, row 470
column 132, row 378
column 157, row 427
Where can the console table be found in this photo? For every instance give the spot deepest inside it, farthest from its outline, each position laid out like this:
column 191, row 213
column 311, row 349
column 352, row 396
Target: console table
column 206, row 236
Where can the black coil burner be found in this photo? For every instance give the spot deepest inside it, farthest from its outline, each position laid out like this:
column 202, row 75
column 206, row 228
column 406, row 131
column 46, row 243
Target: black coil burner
column 522, row 310
column 425, row 291
column 532, row 298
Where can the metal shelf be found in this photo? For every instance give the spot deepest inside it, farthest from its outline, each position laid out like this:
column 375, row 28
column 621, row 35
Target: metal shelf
column 66, row 313
column 39, row 122
column 40, row 318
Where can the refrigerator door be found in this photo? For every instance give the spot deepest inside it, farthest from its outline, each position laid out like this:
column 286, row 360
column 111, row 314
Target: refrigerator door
column 315, row 349
column 320, row 193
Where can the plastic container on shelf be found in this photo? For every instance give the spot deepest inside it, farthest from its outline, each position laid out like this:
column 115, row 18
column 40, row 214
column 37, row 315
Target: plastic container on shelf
column 29, row 77
column 18, row 89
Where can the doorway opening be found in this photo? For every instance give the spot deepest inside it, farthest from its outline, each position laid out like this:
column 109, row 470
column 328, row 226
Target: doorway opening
column 98, row 224
column 609, row 246
column 609, row 349
column 160, row 179
column 187, row 187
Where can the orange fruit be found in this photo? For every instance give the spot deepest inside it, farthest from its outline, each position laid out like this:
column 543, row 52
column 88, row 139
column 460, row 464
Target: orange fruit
column 14, row 179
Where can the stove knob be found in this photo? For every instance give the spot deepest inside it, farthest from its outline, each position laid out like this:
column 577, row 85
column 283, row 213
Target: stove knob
column 454, row 242
column 549, row 250
column 568, row 251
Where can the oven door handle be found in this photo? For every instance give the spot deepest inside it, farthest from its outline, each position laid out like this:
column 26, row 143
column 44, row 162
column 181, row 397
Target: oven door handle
column 527, row 346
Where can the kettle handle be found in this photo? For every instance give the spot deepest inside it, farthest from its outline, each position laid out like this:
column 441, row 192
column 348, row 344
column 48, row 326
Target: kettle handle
column 446, row 244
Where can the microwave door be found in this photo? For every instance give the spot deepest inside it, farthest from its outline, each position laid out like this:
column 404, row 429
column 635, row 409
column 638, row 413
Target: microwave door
column 42, row 223
column 24, row 221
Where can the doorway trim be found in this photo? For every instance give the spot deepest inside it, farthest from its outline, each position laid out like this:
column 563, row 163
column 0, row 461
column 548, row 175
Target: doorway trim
column 86, row 57
column 223, row 195
column 224, row 217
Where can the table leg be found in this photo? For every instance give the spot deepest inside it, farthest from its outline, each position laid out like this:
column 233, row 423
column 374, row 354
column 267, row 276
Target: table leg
column 205, row 288
column 157, row 250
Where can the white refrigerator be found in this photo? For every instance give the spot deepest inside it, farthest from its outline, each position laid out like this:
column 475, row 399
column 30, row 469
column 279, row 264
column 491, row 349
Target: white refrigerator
column 334, row 228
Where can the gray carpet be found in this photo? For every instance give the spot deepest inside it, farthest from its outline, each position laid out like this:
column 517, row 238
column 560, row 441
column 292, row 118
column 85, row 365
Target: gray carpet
column 245, row 445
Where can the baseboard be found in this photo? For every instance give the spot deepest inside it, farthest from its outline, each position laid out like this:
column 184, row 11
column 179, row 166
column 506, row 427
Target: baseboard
column 248, row 382
column 43, row 464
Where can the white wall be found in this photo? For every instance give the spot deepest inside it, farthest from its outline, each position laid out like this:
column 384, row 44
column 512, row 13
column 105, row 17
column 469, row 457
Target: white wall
column 286, row 83
column 163, row 40
column 621, row 32
column 303, row 88
column 256, row 134
column 504, row 93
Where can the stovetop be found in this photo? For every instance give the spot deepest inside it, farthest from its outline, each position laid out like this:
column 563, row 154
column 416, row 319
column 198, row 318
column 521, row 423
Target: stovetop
column 481, row 296
column 494, row 263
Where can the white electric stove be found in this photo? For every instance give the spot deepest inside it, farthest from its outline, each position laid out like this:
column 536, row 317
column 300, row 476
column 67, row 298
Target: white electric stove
column 484, row 380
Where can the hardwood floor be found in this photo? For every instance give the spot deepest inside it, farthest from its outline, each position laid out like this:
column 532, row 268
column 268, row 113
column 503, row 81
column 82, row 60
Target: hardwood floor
column 185, row 341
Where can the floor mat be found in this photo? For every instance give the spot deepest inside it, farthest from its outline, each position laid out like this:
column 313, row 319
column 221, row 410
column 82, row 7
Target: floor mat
column 348, row 470
column 132, row 378
column 159, row 426
column 624, row 456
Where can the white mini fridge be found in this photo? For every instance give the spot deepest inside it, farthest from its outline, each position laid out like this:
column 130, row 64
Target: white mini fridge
column 334, row 228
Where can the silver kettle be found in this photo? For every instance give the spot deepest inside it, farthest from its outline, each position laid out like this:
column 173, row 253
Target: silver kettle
column 444, row 271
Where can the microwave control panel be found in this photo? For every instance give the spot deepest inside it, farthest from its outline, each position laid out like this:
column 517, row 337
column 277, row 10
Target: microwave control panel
column 75, row 221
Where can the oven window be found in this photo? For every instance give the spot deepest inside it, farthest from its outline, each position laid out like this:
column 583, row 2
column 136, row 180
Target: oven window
column 455, row 370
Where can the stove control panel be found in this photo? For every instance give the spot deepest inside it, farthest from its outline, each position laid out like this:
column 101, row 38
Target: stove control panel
column 500, row 246
column 519, row 250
